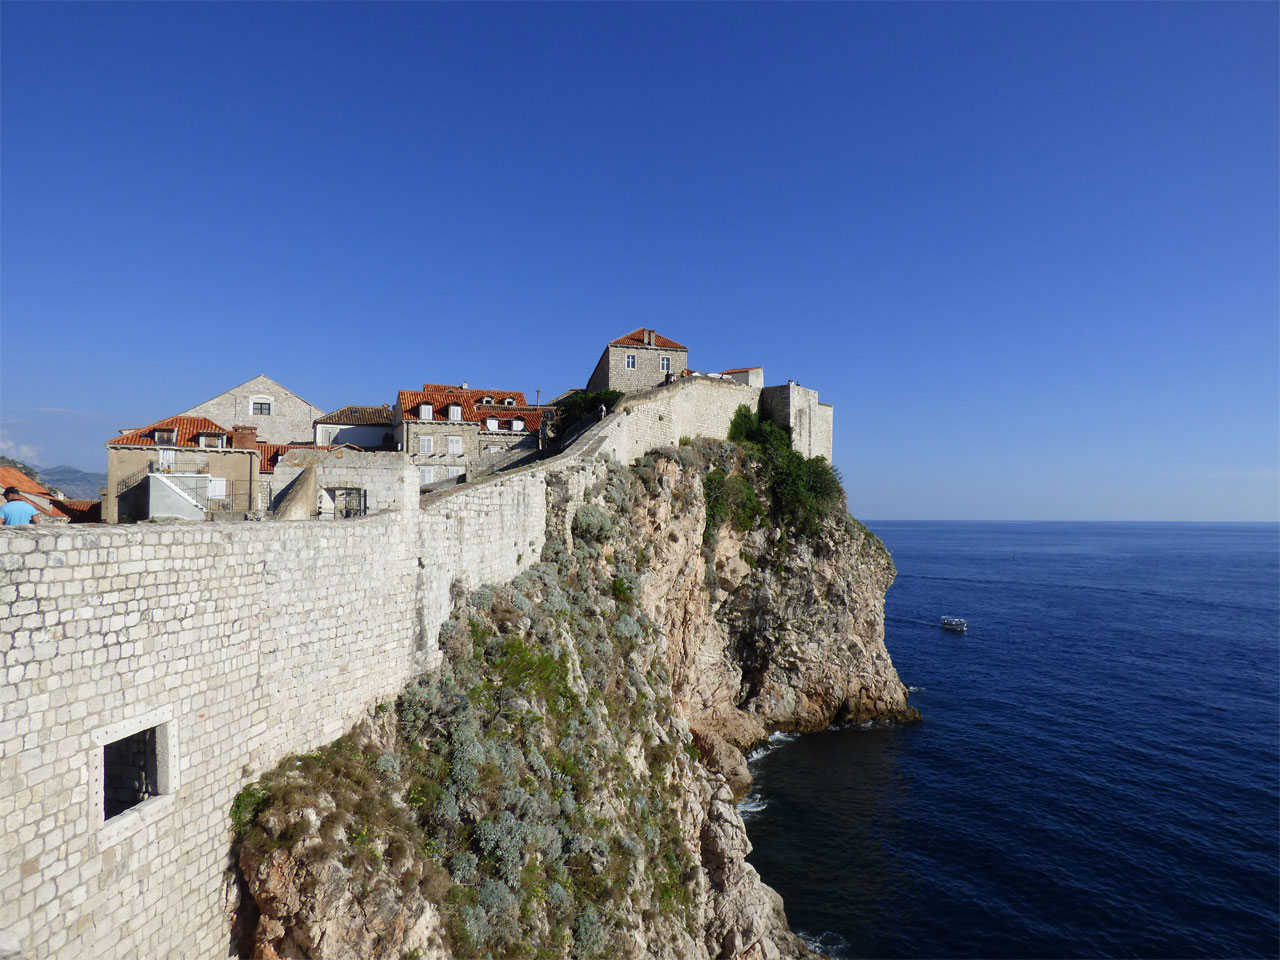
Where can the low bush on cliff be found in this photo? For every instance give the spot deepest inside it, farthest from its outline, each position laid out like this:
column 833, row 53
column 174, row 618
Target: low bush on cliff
column 495, row 794
column 802, row 491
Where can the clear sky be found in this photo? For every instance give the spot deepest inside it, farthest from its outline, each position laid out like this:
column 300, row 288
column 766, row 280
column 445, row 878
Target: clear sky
column 1028, row 251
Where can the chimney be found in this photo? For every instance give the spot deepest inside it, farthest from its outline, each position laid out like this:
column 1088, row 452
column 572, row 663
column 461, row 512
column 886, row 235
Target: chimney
column 464, row 385
column 648, row 338
column 244, row 438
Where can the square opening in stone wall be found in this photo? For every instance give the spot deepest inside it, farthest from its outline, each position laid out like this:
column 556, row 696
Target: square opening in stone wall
column 130, row 772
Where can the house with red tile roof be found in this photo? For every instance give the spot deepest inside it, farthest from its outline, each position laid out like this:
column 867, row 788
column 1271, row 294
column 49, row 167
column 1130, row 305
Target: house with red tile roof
column 182, row 467
column 451, row 431
column 639, row 360
column 48, row 508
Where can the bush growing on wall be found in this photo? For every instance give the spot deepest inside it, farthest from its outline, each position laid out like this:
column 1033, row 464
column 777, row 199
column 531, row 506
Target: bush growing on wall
column 803, row 491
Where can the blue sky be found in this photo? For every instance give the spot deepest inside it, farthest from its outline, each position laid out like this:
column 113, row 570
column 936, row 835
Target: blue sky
column 1029, row 251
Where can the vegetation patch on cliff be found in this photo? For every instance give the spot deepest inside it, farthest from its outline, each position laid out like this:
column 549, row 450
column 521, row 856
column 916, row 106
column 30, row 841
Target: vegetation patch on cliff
column 524, row 789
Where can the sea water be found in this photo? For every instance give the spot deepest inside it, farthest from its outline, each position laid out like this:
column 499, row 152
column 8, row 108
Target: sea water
column 1098, row 769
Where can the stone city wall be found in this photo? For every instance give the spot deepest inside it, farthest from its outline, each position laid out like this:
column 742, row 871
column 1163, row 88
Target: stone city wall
column 237, row 644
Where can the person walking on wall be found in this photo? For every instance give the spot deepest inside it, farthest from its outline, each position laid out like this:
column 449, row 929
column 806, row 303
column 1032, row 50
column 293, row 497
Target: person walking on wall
column 16, row 512
column 600, row 415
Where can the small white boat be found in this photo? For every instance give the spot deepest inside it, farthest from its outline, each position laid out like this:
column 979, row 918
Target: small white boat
column 954, row 623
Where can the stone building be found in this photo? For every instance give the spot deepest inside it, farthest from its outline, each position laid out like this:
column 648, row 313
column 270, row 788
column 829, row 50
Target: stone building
column 641, row 359
column 449, row 431
column 181, row 468
column 279, row 415
column 371, row 428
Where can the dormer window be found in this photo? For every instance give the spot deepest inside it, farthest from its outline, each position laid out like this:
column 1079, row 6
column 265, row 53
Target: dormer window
column 455, row 411
column 491, row 423
column 165, row 436
column 211, row 441
column 517, row 424
column 509, row 402
column 486, row 400
column 425, row 411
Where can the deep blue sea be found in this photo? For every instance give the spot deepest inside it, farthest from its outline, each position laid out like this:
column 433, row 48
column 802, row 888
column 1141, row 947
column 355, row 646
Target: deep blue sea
column 1098, row 769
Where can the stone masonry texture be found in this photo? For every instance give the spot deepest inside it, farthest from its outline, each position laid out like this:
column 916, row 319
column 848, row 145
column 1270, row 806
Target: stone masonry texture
column 257, row 640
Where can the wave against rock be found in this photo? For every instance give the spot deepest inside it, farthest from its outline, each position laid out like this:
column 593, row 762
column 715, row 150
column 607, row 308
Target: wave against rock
column 564, row 786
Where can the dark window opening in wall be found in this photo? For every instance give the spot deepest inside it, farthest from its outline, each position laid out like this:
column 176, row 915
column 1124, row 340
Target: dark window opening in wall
column 129, row 772
column 261, row 409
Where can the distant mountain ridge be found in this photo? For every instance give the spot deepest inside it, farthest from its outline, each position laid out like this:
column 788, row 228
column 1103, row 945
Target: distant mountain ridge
column 71, row 482
column 75, row 484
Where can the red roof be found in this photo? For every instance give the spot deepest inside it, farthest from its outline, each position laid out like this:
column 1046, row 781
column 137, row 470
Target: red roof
column 440, row 395
column 636, row 339
column 81, row 511
column 187, row 429
column 742, row 369
column 357, row 416
column 272, row 452
column 13, row 477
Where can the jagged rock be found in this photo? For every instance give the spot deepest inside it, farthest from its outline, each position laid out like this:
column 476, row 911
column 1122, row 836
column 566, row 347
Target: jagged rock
column 763, row 631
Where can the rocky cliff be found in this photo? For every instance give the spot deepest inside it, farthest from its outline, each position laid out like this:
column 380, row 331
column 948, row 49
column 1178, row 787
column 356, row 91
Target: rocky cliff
column 565, row 785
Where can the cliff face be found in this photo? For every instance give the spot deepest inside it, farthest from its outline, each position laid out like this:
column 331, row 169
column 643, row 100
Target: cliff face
column 565, row 786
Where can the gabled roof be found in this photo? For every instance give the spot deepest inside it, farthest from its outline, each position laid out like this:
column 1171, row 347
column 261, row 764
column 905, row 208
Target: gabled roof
column 440, row 395
column 636, row 339
column 187, row 429
column 13, row 477
column 357, row 416
column 261, row 381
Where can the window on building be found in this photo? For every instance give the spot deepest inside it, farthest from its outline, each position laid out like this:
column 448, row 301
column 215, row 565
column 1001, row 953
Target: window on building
column 509, row 402
column 262, row 408
column 426, row 411
column 492, row 449
column 426, row 445
column 426, row 475
column 666, row 364
column 517, row 424
column 454, row 471
column 631, row 361
column 486, row 399
column 211, row 442
column 455, row 412
column 165, row 436
column 454, row 445
column 491, row 423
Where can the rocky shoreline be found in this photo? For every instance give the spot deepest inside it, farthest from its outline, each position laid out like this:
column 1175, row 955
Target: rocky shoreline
column 566, row 786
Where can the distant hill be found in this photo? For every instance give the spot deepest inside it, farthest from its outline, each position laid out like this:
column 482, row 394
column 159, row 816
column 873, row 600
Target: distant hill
column 26, row 468
column 72, row 483
column 75, row 484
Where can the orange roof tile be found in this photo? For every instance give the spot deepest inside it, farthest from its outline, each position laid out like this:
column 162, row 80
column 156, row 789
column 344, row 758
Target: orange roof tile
column 13, row 477
column 272, row 452
column 81, row 511
column 186, row 430
column 440, row 395
column 636, row 339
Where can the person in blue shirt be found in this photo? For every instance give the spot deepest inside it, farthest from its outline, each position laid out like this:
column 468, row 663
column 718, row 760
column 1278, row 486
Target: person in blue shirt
column 16, row 512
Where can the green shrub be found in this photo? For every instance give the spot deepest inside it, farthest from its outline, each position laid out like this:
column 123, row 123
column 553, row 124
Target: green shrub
column 592, row 523
column 248, row 803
